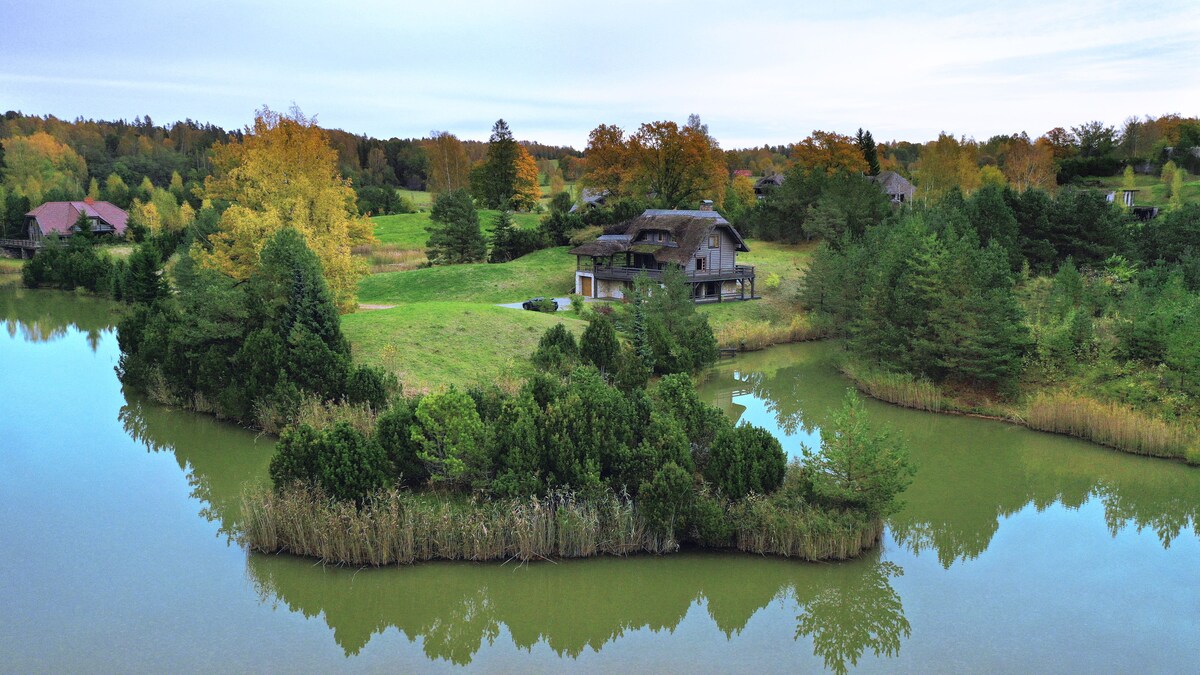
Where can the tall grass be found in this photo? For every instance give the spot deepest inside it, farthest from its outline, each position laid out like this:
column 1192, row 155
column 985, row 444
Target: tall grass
column 1107, row 424
column 403, row 527
column 808, row 533
column 899, row 388
column 755, row 335
column 391, row 257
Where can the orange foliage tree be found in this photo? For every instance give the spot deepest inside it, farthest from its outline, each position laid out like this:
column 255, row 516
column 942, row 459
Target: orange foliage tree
column 526, row 189
column 608, row 166
column 830, row 152
column 285, row 173
column 680, row 166
column 1030, row 165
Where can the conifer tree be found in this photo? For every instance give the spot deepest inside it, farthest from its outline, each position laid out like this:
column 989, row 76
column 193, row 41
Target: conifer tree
column 456, row 236
column 866, row 143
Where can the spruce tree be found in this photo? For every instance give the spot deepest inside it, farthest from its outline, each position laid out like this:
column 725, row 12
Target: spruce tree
column 456, row 236
column 502, row 238
column 598, row 345
column 495, row 183
column 866, row 143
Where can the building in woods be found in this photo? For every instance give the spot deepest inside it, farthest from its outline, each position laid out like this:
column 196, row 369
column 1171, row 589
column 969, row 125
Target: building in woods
column 702, row 243
column 895, row 186
column 590, row 199
column 60, row 218
column 764, row 185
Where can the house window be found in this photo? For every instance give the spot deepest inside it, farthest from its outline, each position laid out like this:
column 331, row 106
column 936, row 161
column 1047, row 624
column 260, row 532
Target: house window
column 658, row 236
column 714, row 241
column 699, row 264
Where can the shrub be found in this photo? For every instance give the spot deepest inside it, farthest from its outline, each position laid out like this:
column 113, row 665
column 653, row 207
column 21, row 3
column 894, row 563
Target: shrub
column 370, row 385
column 598, row 345
column 556, row 349
column 745, row 459
column 451, row 438
column 664, row 501
column 393, row 431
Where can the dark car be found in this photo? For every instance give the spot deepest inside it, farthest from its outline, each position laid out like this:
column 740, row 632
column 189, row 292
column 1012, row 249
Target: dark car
column 540, row 305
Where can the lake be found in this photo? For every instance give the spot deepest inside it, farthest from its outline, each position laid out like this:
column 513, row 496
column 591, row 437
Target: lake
column 1015, row 551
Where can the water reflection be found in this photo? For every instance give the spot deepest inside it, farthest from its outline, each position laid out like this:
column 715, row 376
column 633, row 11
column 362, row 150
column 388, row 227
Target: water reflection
column 846, row 610
column 972, row 473
column 45, row 316
column 217, row 458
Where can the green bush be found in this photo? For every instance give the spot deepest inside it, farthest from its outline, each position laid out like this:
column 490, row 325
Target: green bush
column 745, row 459
column 665, row 500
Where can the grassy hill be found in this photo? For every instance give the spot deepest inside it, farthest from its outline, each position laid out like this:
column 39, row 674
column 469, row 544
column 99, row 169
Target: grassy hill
column 548, row 272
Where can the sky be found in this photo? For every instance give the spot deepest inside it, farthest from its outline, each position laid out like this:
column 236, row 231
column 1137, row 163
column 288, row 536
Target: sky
column 756, row 72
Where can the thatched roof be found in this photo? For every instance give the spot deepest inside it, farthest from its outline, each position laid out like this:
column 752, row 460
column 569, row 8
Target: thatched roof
column 893, row 183
column 687, row 230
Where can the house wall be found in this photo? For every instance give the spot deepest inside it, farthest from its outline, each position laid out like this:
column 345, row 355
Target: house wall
column 610, row 288
column 579, row 276
column 723, row 257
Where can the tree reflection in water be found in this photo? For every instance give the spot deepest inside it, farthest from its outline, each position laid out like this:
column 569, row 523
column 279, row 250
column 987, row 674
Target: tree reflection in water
column 846, row 609
column 972, row 473
column 45, row 316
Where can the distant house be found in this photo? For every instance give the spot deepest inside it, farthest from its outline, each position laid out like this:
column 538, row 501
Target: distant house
column 895, row 186
column 590, row 199
column 702, row 243
column 764, row 185
column 742, row 173
column 60, row 218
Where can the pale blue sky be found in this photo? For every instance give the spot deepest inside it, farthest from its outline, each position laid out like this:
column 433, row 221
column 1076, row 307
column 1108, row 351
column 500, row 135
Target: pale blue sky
column 756, row 72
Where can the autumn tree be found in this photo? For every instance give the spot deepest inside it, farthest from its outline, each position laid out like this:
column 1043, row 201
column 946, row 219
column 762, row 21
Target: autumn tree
column 284, row 173
column 830, row 152
column 1030, row 165
column 41, row 168
column 609, row 167
column 679, row 166
column 449, row 166
column 945, row 164
column 526, row 191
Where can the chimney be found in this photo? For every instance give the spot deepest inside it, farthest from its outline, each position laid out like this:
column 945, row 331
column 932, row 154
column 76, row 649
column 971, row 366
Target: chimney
column 706, row 205
column 89, row 201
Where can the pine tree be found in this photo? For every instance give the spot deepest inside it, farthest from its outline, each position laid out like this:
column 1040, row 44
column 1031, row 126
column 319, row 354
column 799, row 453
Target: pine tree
column 598, row 345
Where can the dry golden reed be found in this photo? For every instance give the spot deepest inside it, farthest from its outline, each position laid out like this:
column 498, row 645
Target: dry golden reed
column 1107, row 424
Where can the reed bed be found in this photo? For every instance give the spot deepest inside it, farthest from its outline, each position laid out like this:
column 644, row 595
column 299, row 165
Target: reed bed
column 899, row 388
column 405, row 527
column 807, row 533
column 390, row 257
column 755, row 335
column 1107, row 424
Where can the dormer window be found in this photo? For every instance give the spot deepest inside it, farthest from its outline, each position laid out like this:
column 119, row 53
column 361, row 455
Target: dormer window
column 658, row 236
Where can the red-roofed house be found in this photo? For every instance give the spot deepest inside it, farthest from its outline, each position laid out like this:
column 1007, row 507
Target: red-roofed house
column 60, row 218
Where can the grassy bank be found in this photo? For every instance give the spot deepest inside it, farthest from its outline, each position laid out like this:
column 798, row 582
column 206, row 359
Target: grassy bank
column 548, row 272
column 10, row 271
column 402, row 527
column 1061, row 412
column 776, row 318
column 430, row 345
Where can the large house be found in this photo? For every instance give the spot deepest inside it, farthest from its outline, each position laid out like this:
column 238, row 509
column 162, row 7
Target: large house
column 702, row 243
column 60, row 218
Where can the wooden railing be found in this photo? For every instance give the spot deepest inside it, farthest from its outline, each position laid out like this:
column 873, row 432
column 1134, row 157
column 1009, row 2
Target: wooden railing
column 20, row 243
column 625, row 273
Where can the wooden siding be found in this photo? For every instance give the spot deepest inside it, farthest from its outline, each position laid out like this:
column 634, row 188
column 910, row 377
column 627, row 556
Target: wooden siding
column 722, row 258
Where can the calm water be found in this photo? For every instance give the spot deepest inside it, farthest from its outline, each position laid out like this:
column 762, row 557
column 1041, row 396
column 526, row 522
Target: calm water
column 1016, row 551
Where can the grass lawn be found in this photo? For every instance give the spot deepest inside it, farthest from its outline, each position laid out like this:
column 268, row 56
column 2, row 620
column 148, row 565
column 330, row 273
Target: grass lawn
column 10, row 271
column 776, row 307
column 408, row 230
column 1151, row 190
column 549, row 272
column 430, row 345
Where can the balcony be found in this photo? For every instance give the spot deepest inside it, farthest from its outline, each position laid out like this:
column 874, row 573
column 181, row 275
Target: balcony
column 738, row 272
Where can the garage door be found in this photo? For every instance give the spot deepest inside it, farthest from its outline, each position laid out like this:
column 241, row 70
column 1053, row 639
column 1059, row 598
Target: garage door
column 587, row 287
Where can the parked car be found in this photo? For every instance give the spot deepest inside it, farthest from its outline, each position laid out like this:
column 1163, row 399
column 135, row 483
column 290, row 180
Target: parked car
column 540, row 305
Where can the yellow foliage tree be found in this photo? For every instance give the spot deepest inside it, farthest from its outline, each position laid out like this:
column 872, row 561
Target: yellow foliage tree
column 743, row 187
column 37, row 164
column 449, row 166
column 829, row 152
column 285, row 173
column 991, row 175
column 526, row 189
column 945, row 164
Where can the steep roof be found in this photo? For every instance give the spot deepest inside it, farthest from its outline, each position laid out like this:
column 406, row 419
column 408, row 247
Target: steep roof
column 688, row 229
column 893, row 183
column 59, row 217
